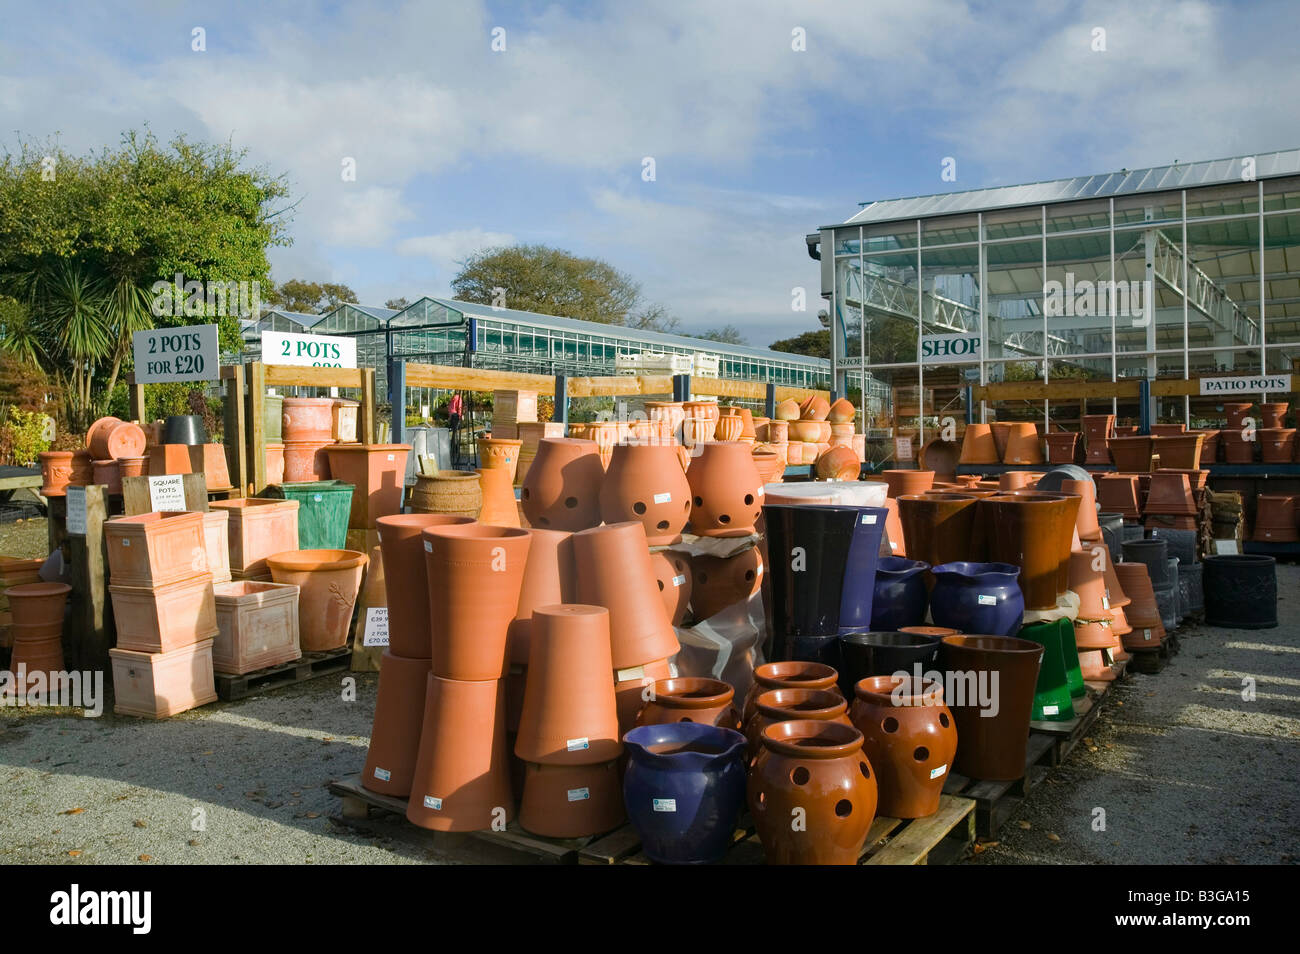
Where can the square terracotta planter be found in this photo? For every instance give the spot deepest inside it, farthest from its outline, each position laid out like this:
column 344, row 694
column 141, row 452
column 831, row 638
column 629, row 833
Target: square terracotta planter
column 210, row 461
column 151, row 549
column 158, row 685
column 259, row 528
column 237, row 575
column 158, row 619
column 216, row 539
column 345, row 420
column 275, row 463
column 377, row 473
column 169, row 459
column 258, row 625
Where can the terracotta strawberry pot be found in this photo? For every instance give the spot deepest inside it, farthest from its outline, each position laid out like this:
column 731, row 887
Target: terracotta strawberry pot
column 907, row 481
column 817, row 768
column 992, row 746
column 83, row 469
column 307, row 420
column 569, row 715
column 614, row 571
column 455, row 492
column 258, row 528
column 306, row 461
column 787, row 705
column 726, row 487
column 499, row 506
column 152, row 549
column 720, row 582
column 645, row 482
column 133, row 466
column 461, row 780
column 910, row 738
column 475, row 573
column 328, row 582
column 794, row 674
column 56, row 472
column 633, row 687
column 500, row 453
column 112, row 441
column 561, row 490
column 571, row 801
column 257, row 626
column 159, row 685
column 378, row 474
column 160, row 618
column 548, row 579
column 672, row 573
column 395, row 733
column 691, row 699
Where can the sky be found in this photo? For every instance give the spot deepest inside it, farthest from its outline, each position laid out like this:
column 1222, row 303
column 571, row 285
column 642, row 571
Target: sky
column 474, row 124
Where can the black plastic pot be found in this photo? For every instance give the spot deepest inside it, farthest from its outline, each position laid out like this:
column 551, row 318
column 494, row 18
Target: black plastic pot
column 1181, row 543
column 819, row 649
column 1054, row 478
column 1179, row 609
column 184, row 429
column 883, row 654
column 808, row 548
column 1167, row 604
column 1155, row 554
column 1240, row 591
column 1112, row 531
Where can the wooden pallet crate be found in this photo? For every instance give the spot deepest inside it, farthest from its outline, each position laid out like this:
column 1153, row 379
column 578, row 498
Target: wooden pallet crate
column 1151, row 661
column 311, row 666
column 1066, row 735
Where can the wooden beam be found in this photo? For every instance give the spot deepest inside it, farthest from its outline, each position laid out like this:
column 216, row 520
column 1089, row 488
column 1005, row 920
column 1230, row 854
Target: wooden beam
column 475, row 379
column 621, row 384
column 1055, row 390
column 367, row 417
column 90, row 636
column 257, row 426
column 137, row 401
column 283, row 375
column 236, row 446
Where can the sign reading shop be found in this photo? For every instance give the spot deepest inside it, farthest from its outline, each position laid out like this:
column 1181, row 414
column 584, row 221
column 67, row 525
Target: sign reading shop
column 950, row 349
column 1248, row 384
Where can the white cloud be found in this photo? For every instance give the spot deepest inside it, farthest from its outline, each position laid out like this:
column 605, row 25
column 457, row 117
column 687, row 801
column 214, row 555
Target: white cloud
column 446, row 250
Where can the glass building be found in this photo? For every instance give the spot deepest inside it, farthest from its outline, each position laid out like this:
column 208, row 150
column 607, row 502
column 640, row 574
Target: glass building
column 1170, row 272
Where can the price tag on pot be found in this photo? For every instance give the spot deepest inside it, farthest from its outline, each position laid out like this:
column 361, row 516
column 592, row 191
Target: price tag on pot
column 664, row 804
column 1146, row 634
column 986, row 600
column 577, row 745
column 76, row 521
column 167, row 493
column 434, row 803
column 663, row 498
column 579, row 794
column 383, row 774
column 428, row 546
column 1051, row 710
column 376, row 633
column 935, row 773
column 679, row 579
column 869, row 519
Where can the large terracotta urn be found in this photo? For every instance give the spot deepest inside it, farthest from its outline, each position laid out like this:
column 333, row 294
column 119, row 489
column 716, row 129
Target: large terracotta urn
column 406, row 580
column 56, row 472
column 307, row 420
column 561, row 490
column 395, row 733
column 938, row 527
column 727, row 491
column 691, row 699
column 327, row 581
column 475, row 573
column 818, row 768
column 997, row 677
column 910, row 738
column 645, row 482
column 548, row 579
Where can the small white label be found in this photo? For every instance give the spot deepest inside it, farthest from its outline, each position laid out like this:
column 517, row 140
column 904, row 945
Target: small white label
column 167, row 492
column 577, row 745
column 76, row 502
column 1051, row 710
column 434, row 803
column 317, row 497
column 1146, row 634
column 624, row 675
column 579, row 794
column 383, row 774
column 679, row 579
column 986, row 600
column 664, row 804
column 761, row 492
column 935, row 773
column 1105, row 602
column 663, row 498
column 392, row 457
column 428, row 546
column 869, row 519
column 376, row 631
column 893, row 545
column 126, row 543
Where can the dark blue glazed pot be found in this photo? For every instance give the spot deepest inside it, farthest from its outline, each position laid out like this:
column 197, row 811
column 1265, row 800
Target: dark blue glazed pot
column 883, row 654
column 900, row 598
column 981, row 598
column 684, row 787
column 860, row 568
column 808, row 550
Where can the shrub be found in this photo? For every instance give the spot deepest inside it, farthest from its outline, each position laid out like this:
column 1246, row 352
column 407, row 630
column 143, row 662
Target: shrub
column 22, row 437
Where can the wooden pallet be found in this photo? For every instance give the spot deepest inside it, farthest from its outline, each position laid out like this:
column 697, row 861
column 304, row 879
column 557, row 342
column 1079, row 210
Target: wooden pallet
column 1066, row 735
column 1151, row 661
column 310, row 666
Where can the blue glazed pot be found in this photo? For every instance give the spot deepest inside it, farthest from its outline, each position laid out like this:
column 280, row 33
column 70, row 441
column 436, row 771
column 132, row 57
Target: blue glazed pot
column 858, row 595
column 901, row 598
column 684, row 787
column 982, row 598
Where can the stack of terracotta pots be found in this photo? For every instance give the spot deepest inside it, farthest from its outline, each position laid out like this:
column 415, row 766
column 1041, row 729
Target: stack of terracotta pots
column 1170, row 503
column 14, row 572
column 1142, row 612
column 257, row 528
column 1098, row 430
column 307, row 429
column 1277, row 443
column 1001, row 442
column 1275, row 519
column 1235, row 438
column 1118, row 493
column 114, row 449
column 165, row 613
column 1093, row 629
column 36, row 630
column 461, row 778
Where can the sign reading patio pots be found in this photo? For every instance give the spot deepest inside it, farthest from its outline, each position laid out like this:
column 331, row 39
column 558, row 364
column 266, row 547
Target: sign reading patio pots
column 187, row 353
column 1248, row 384
column 312, row 351
column 950, row 349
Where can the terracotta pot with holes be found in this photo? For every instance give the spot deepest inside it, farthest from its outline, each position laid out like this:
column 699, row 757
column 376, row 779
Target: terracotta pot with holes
column 645, row 482
column 672, row 573
column 719, row 582
column 793, row 674
column 787, row 705
column 910, row 738
column 561, row 490
column 818, row 767
column 726, row 489
column 691, row 699
column 407, row 583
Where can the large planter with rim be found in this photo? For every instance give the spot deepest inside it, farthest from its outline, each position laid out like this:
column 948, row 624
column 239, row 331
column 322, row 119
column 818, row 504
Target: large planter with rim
column 401, row 548
column 1033, row 531
column 909, row 737
column 995, row 678
column 327, row 581
column 900, row 597
column 977, row 598
column 938, row 527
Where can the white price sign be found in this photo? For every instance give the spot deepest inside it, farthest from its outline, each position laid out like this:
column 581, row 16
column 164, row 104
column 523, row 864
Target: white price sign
column 167, row 493
column 376, row 633
column 313, row 351
column 76, row 522
column 1248, row 384
column 188, row 353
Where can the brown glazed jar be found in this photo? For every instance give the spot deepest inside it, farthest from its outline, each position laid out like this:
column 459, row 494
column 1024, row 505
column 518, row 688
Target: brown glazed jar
column 812, row 793
column 792, row 674
column 788, row 705
column 910, row 738
column 691, row 699
column 992, row 745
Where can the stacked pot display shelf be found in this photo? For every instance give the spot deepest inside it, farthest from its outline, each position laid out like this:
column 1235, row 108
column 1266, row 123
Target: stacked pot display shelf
column 561, row 490
column 909, row 738
column 36, row 629
column 645, row 482
column 328, row 583
column 726, row 489
column 992, row 724
column 257, row 626
column 257, row 529
column 820, row 768
column 377, row 473
column 683, row 790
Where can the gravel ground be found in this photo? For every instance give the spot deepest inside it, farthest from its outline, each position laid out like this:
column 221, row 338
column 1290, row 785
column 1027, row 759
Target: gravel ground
column 1184, row 769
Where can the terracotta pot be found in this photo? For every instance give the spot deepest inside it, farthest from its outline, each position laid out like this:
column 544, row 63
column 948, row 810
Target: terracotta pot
column 813, row 432
column 1275, row 519
column 819, row 768
column 992, row 746
column 1023, row 444
column 151, row 549
column 792, row 674
column 1062, row 447
column 605, row 434
column 399, row 715
column 978, row 445
column 839, row 463
column 328, row 581
column 692, row 699
column 1001, row 434
column 275, row 463
column 111, row 441
column 614, row 571
column 163, row 617
column 83, row 469
column 814, row 408
column 1170, row 493
column 500, row 452
column 633, row 687
column 771, row 466
column 727, row 491
column 456, row 492
column 56, row 472
column 1168, row 430
column 461, row 780
column 1238, row 445
column 43, row 654
column 475, row 573
column 106, row 472
column 788, row 705
column 402, row 550
column 1088, row 581
column 569, row 715
column 1209, row 448
column 1132, row 455
column 1142, row 613
column 1086, row 522
column 910, row 738
column 669, row 413
column 159, row 685
column 1033, row 531
column 257, row 626
column 1182, row 451
column 1099, row 429
column 1118, row 493
column 698, row 430
column 548, row 579
column 133, row 466
column 258, row 527
column 1277, row 445
column 169, row 459
column 938, row 527
column 1272, row 416
column 561, row 490
column 306, row 460
column 210, row 461
column 645, row 483
column 1126, row 431
column 842, row 412
column 708, row 409
column 672, row 573
column 907, row 482
column 499, row 506
column 37, row 604
column 101, row 427
column 719, row 582
column 378, row 475
column 778, row 432
column 788, row 410
column 307, row 420
column 1015, row 480
column 571, row 801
